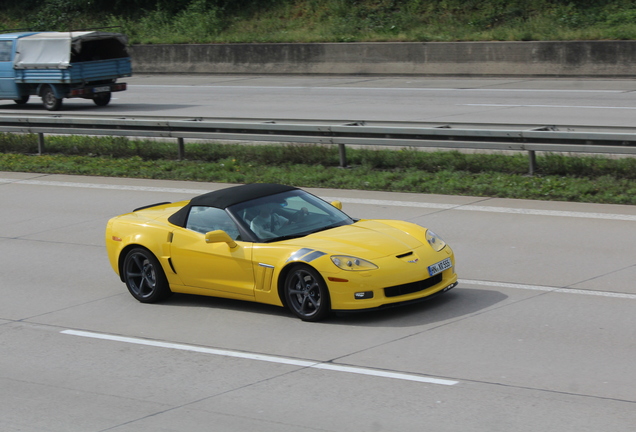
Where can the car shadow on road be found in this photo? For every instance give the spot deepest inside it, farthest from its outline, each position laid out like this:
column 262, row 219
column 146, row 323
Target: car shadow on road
column 191, row 300
column 77, row 107
column 454, row 304
column 459, row 302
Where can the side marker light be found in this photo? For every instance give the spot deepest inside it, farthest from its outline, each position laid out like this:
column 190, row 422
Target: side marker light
column 335, row 279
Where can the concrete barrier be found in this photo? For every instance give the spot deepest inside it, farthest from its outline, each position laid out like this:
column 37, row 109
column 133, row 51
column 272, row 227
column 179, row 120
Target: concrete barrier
column 615, row 59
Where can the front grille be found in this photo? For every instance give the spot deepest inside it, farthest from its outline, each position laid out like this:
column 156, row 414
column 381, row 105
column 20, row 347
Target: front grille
column 412, row 287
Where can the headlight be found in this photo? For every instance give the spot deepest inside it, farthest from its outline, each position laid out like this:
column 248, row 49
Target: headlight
column 435, row 241
column 352, row 263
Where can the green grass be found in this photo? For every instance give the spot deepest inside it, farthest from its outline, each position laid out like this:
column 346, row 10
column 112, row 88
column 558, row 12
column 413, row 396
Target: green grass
column 560, row 178
column 224, row 21
column 408, row 20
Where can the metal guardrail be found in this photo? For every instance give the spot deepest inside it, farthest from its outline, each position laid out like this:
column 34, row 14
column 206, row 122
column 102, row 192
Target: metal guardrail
column 498, row 137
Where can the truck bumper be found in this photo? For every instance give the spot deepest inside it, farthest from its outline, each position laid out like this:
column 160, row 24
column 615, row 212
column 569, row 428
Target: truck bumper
column 92, row 91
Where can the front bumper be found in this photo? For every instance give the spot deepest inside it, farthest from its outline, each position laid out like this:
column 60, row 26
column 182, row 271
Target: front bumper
column 395, row 282
column 401, row 303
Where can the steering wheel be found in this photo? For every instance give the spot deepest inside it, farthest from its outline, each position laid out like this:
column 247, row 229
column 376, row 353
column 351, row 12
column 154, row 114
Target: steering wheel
column 299, row 216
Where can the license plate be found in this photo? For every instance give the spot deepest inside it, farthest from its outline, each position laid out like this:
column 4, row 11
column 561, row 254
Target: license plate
column 439, row 267
column 101, row 89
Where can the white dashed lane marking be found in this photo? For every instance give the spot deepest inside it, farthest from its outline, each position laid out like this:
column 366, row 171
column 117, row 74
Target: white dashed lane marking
column 265, row 358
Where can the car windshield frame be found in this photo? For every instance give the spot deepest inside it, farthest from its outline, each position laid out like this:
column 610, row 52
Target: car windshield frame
column 293, row 214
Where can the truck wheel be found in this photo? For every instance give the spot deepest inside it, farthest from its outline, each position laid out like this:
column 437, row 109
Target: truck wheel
column 101, row 99
column 49, row 100
column 22, row 100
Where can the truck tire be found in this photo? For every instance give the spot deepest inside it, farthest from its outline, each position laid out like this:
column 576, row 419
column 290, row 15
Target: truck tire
column 101, row 99
column 49, row 100
column 22, row 100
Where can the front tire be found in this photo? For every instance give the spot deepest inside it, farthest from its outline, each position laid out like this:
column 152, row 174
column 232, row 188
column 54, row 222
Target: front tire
column 144, row 276
column 306, row 294
column 49, row 100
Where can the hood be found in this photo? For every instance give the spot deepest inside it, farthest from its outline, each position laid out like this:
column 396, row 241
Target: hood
column 365, row 239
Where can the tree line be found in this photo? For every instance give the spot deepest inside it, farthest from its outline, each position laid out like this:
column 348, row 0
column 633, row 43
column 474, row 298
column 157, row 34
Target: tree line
column 124, row 7
column 136, row 7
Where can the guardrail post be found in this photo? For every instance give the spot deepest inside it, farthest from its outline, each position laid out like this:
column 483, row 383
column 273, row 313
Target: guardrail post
column 532, row 158
column 343, row 155
column 40, row 143
column 181, row 148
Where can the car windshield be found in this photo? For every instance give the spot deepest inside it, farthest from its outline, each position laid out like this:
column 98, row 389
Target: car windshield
column 291, row 214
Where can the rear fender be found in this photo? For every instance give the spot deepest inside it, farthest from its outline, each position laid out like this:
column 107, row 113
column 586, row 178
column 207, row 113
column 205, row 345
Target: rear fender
column 159, row 246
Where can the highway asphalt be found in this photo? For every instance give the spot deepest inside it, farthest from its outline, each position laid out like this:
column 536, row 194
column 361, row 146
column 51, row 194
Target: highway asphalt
column 495, row 100
column 539, row 334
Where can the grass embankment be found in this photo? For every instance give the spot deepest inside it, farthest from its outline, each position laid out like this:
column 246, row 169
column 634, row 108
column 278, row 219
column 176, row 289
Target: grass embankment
column 560, row 177
column 223, row 21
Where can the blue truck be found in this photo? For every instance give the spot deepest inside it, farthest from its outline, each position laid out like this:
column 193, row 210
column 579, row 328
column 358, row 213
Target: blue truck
column 59, row 65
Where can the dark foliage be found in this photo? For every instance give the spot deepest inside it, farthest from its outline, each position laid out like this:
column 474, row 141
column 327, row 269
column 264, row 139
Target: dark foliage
column 130, row 7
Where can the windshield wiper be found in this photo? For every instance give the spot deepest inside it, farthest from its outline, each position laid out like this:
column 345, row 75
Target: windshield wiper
column 286, row 237
column 337, row 224
column 305, row 233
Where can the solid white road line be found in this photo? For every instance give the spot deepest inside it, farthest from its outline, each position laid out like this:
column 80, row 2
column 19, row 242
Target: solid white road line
column 265, row 358
column 389, row 89
column 548, row 106
column 489, row 209
column 385, row 203
column 104, row 186
column 548, row 289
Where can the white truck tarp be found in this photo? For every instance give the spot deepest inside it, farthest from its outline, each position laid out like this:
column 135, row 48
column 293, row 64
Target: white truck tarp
column 52, row 50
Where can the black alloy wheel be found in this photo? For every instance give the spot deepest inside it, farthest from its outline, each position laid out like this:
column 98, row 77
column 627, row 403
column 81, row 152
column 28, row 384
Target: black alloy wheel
column 306, row 294
column 144, row 276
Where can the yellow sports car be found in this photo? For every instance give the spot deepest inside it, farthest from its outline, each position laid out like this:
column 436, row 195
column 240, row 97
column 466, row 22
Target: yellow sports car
column 279, row 245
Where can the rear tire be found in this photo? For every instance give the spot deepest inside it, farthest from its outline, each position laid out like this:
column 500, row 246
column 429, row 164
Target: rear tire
column 101, row 99
column 23, row 100
column 49, row 100
column 144, row 276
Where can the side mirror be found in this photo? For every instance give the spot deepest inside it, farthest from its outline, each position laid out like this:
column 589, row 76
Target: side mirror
column 220, row 236
column 337, row 204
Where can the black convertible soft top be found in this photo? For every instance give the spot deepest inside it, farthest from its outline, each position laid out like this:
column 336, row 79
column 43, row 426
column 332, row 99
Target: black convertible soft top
column 224, row 198
column 237, row 194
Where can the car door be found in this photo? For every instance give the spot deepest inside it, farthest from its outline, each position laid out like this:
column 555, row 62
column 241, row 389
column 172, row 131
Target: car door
column 213, row 266
column 8, row 87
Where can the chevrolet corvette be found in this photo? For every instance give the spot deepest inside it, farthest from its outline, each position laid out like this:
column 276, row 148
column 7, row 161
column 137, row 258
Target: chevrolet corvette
column 278, row 245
